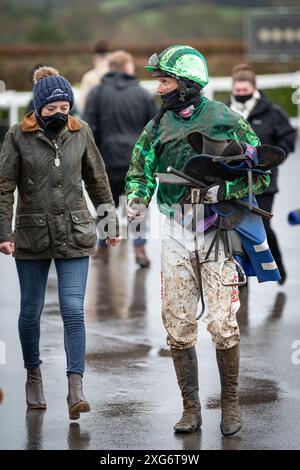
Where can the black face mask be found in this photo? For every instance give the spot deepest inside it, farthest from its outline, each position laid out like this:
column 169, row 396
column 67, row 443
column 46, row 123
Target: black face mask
column 242, row 98
column 53, row 124
column 187, row 95
column 171, row 100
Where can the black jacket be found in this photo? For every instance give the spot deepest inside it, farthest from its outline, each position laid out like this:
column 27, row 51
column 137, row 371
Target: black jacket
column 272, row 126
column 117, row 110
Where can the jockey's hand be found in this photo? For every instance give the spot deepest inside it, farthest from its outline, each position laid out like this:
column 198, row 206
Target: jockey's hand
column 215, row 193
column 136, row 209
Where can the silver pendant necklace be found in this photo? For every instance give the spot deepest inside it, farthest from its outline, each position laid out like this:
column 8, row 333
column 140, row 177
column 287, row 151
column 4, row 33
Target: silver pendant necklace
column 57, row 159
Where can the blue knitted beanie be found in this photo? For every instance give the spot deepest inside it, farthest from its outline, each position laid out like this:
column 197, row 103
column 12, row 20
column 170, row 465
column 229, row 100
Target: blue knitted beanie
column 50, row 87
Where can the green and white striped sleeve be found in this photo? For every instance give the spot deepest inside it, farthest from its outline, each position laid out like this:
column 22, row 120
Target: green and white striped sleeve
column 140, row 179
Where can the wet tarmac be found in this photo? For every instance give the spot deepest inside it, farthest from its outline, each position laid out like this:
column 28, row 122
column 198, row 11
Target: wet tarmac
column 130, row 381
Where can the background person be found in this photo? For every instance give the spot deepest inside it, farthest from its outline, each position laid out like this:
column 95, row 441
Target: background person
column 272, row 126
column 117, row 110
column 91, row 78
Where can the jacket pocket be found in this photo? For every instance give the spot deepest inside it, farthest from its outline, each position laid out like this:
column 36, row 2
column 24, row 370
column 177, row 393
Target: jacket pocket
column 31, row 233
column 83, row 228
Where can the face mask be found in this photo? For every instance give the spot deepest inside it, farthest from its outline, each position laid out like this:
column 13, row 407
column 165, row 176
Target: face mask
column 53, row 124
column 170, row 99
column 176, row 102
column 242, row 98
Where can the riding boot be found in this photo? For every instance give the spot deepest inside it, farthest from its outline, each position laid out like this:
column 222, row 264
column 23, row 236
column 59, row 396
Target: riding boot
column 228, row 364
column 186, row 367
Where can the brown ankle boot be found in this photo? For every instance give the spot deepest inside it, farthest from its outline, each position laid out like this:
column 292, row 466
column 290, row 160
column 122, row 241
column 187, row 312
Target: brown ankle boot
column 102, row 253
column 186, row 367
column 76, row 399
column 140, row 256
column 228, row 364
column 34, row 390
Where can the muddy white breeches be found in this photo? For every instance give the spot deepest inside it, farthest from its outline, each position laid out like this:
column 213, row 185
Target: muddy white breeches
column 181, row 294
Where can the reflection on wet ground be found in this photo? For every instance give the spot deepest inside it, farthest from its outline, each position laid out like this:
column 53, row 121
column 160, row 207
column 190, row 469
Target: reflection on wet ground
column 189, row 441
column 253, row 391
column 135, row 352
column 77, row 439
column 129, row 377
column 278, row 307
column 34, row 429
column 275, row 314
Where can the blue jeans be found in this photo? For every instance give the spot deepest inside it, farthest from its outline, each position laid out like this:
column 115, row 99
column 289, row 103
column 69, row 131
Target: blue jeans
column 72, row 277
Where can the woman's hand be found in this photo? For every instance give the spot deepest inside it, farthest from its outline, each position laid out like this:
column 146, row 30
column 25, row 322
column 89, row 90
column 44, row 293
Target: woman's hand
column 7, row 248
column 113, row 241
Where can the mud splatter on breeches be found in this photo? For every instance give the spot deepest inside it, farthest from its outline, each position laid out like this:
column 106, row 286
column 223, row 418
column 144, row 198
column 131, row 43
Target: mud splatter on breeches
column 180, row 295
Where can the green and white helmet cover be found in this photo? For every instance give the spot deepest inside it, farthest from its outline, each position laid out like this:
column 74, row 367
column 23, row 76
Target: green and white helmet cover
column 181, row 62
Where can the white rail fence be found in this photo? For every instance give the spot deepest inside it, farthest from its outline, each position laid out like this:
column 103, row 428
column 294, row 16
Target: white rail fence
column 13, row 100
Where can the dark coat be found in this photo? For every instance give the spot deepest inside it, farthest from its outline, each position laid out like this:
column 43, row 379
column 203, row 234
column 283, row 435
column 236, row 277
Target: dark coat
column 52, row 219
column 117, row 110
column 272, row 126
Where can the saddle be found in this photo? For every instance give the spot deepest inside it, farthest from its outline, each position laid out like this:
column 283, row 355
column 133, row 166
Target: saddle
column 227, row 160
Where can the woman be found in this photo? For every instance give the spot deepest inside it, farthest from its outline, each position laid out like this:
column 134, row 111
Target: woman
column 271, row 125
column 46, row 157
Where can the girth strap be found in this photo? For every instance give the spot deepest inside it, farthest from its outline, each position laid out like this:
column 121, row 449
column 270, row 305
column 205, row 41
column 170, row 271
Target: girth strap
column 228, row 261
column 232, row 263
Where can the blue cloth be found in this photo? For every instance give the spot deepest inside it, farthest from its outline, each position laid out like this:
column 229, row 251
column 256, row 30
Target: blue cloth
column 294, row 217
column 243, row 166
column 72, row 276
column 52, row 88
column 253, row 236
